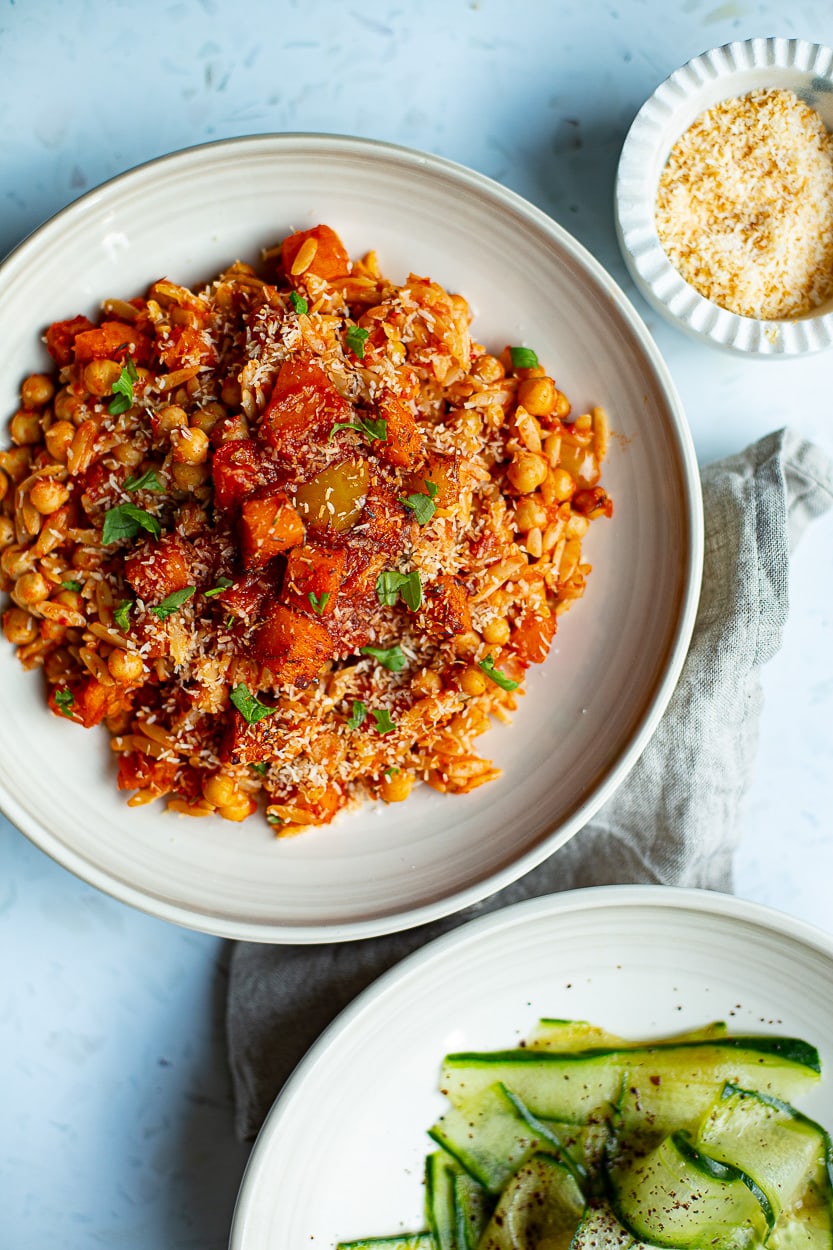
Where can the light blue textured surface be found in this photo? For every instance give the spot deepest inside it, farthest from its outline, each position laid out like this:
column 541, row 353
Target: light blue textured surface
column 115, row 1115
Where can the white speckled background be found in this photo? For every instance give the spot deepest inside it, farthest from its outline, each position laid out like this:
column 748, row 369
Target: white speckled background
column 115, row 1128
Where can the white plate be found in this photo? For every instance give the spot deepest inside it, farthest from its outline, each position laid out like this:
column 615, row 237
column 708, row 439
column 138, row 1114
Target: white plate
column 590, row 709
column 341, row 1153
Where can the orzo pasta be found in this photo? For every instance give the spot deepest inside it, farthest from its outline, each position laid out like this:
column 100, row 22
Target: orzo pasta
column 294, row 537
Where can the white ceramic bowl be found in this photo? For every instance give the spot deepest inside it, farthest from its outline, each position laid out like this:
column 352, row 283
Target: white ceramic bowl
column 341, row 1156
column 720, row 74
column 590, row 709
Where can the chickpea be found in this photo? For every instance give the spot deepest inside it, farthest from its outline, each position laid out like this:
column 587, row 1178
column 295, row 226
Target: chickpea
column 496, row 632
column 191, row 446
column 70, row 599
column 239, row 811
column 538, row 396
column 233, row 428
column 16, row 560
column 47, row 495
column 4, row 485
column 128, row 454
column 37, row 390
column 19, row 627
column 31, row 588
column 427, row 682
column 563, row 407
column 52, row 631
column 16, row 463
column 206, row 418
column 58, row 439
column 125, row 666
column 465, row 644
column 68, row 407
column 529, row 512
column 488, row 369
column 190, row 476
column 527, row 471
column 563, row 484
column 57, row 665
column 6, row 532
column 472, row 680
column 170, row 418
column 100, row 376
column 221, row 790
column 231, row 393
column 395, row 787
column 25, row 428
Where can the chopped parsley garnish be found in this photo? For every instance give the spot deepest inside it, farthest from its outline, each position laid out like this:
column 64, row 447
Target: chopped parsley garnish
column 122, row 391
column 277, row 821
column 390, row 772
column 392, row 658
column 487, row 666
column 298, row 302
column 422, row 506
column 71, row 585
column 125, row 521
column 384, row 724
column 223, row 583
column 145, row 481
column 261, row 769
column 172, row 602
column 390, row 584
column 121, row 615
column 64, row 700
column 366, row 426
column 523, row 358
column 318, row 602
column 356, row 339
column 248, row 705
column 359, row 715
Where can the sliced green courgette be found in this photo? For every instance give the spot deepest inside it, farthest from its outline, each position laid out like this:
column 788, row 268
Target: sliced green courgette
column 401, row 1241
column 669, row 1086
column 809, row 1224
column 440, row 1171
column 571, row 1035
column 599, row 1229
column 487, row 1136
column 540, row 1207
column 473, row 1207
column 781, row 1149
column 675, row 1195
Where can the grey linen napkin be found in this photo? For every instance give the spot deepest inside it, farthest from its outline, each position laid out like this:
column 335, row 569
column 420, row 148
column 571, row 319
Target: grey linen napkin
column 675, row 820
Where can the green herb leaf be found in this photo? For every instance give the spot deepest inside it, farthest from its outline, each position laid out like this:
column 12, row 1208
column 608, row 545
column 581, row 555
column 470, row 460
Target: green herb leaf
column 494, row 674
column 384, row 724
column 145, row 481
column 122, row 613
column 122, row 391
column 248, row 705
column 390, row 772
column 318, row 602
column 298, row 302
column 356, row 339
column 64, row 700
column 366, row 426
column 359, row 715
column 392, row 658
column 523, row 358
column 422, row 506
column 390, row 584
column 172, row 602
column 261, row 769
column 125, row 521
column 277, row 821
column 223, row 583
column 71, row 585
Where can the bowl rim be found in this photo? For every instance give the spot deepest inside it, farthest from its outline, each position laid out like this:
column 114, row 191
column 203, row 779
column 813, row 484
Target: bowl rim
column 662, row 285
column 656, row 700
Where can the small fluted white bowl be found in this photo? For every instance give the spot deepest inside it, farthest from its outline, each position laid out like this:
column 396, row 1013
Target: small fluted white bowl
column 720, row 74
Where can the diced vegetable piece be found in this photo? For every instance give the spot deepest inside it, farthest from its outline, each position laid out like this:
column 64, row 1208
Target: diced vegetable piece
column 302, row 409
column 112, row 340
column 246, row 743
column 62, row 334
column 335, row 498
column 184, row 346
column 268, row 525
column 329, row 258
column 404, row 440
column 313, row 571
column 592, row 503
column 533, row 635
column 238, row 468
column 157, row 569
column 294, row 646
column 446, row 606
column 443, row 471
column 90, row 703
column 142, row 772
